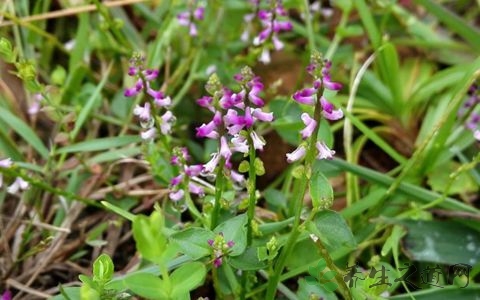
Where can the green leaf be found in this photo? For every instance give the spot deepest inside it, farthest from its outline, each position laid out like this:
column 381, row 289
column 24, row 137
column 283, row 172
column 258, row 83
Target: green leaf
column 22, row 129
column 455, row 23
column 259, row 167
column 187, row 278
column 393, row 241
column 431, row 241
column 148, row 235
column 315, row 271
column 244, row 167
column 235, row 230
column 6, row 50
column 119, row 211
column 147, row 285
column 306, row 289
column 82, row 37
column 100, row 144
column 88, row 293
column 330, row 286
column 103, row 268
column 329, row 275
column 449, row 292
column 439, row 179
column 249, row 260
column 321, row 191
column 275, row 198
column 193, row 242
column 93, row 101
column 332, row 229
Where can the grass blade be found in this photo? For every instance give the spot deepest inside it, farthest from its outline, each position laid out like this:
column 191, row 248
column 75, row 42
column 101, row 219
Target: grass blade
column 24, row 131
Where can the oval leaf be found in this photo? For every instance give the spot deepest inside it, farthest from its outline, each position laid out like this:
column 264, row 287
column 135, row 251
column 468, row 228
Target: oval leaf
column 187, row 277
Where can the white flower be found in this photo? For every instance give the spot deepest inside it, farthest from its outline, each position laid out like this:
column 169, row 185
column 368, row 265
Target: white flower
column 323, row 151
column 17, row 185
column 149, row 134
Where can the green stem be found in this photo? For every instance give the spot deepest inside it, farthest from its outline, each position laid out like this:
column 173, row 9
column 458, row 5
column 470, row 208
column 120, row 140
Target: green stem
column 192, row 208
column 252, row 178
column 218, row 194
column 343, row 288
column 298, row 204
column 308, row 22
column 274, row 279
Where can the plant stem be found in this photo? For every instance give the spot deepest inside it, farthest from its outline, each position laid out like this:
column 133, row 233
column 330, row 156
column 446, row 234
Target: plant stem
column 218, row 194
column 252, row 178
column 274, row 279
column 298, row 204
column 192, row 208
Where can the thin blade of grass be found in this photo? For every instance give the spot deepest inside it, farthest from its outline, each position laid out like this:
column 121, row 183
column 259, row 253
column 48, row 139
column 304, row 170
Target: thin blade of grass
column 94, row 98
column 468, row 32
column 24, row 131
column 416, row 192
column 100, row 144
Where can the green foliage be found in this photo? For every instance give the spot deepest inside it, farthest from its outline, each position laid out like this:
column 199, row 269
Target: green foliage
column 403, row 187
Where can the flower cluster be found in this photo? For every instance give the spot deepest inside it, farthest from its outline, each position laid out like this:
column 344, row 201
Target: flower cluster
column 220, row 248
column 234, row 115
column 158, row 100
column 273, row 21
column 189, row 19
column 470, row 105
column 18, row 185
column 178, row 183
column 320, row 70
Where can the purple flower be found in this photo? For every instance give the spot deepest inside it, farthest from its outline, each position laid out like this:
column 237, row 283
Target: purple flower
column 36, row 105
column 196, row 189
column 224, row 149
column 310, row 125
column 237, row 177
column 159, row 97
column 6, row 163
column 166, row 122
column 199, row 13
column 193, row 170
column 258, row 114
column 7, row 295
column 323, row 151
column 334, row 86
column 217, row 262
column 206, row 101
column 296, row 155
column 305, row 96
column 150, row 74
column 133, row 91
column 176, row 195
column 256, row 88
column 220, row 249
column 207, row 130
column 328, row 110
column 143, row 112
column 148, row 134
column 176, row 180
column 185, row 19
column 147, row 121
